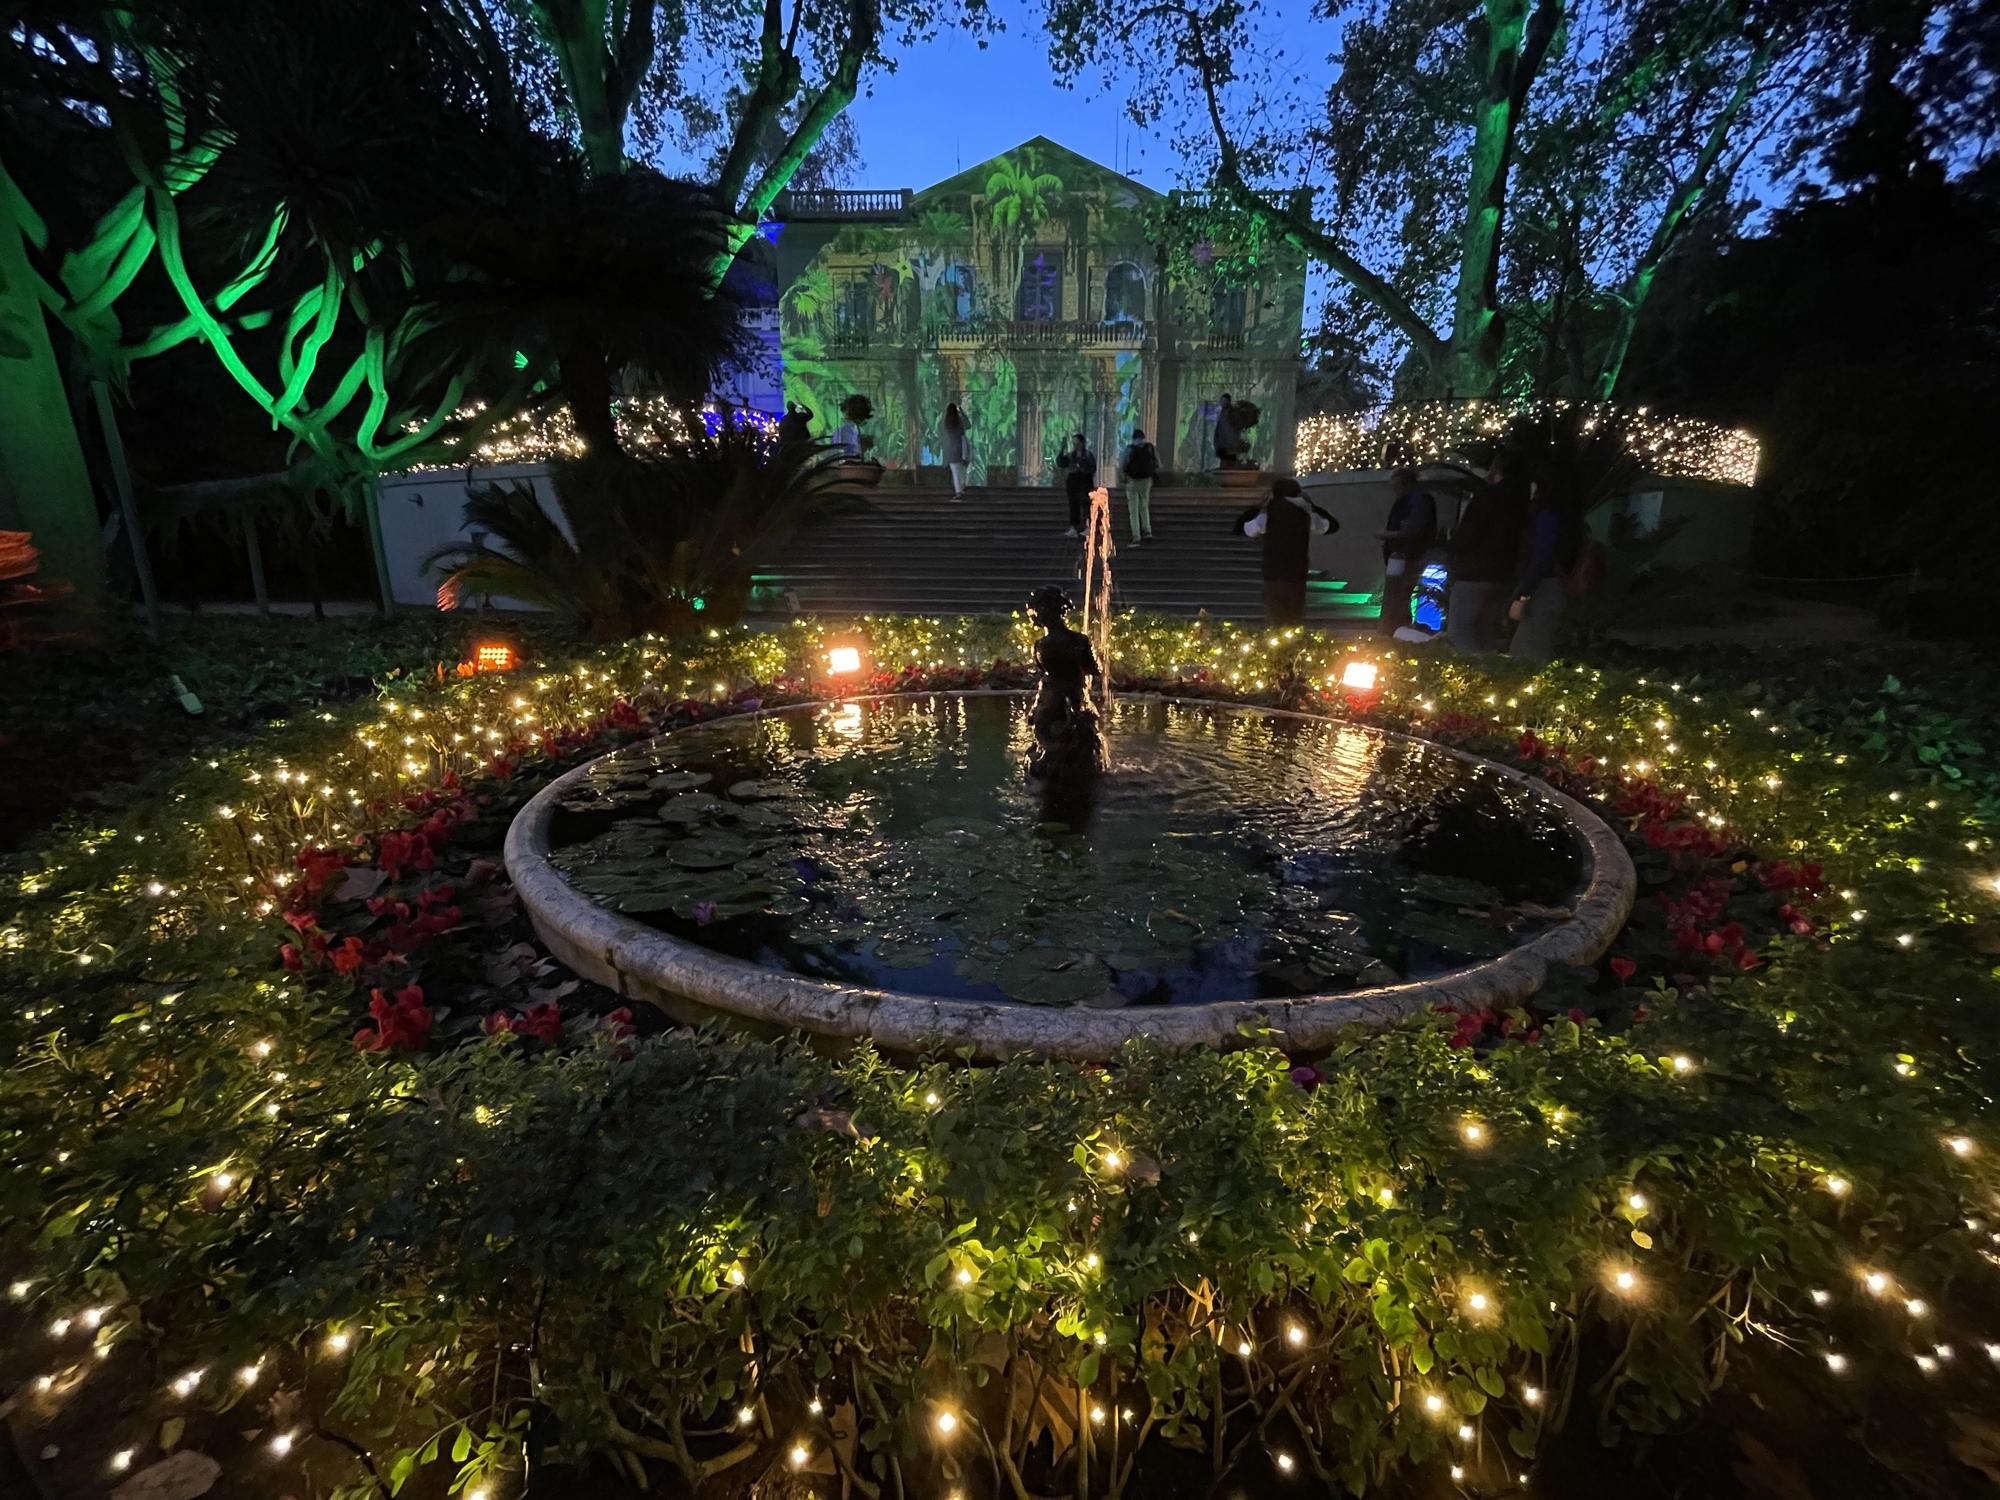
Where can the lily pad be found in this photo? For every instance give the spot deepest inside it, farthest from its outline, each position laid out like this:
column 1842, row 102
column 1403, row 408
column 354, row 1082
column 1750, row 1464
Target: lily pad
column 690, row 807
column 762, row 789
column 708, row 851
column 679, row 781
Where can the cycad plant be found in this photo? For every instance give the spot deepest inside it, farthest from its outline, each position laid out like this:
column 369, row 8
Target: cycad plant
column 631, row 545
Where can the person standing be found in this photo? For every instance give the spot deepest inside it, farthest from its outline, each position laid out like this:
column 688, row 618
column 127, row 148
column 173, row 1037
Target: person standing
column 1228, row 441
column 1287, row 522
column 1411, row 531
column 795, row 426
column 1079, row 466
column 957, row 449
column 1551, row 543
column 1486, row 555
column 1140, row 462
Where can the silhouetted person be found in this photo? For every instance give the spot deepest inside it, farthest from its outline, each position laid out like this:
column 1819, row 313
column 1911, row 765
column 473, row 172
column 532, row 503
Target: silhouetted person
column 1551, row 543
column 1228, row 441
column 795, row 426
column 1410, row 532
column 1287, row 522
column 1079, row 466
column 957, row 449
column 1486, row 554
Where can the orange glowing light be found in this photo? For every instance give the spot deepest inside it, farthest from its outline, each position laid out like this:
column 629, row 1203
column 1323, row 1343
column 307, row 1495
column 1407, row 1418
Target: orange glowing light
column 1358, row 677
column 492, row 658
column 842, row 660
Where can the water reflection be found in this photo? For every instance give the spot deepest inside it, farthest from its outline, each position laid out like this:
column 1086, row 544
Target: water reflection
column 1228, row 854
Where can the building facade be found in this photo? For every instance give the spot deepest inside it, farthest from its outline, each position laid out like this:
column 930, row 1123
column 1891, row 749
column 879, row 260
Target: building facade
column 1032, row 291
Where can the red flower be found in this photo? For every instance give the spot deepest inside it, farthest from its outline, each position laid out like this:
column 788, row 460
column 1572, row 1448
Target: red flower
column 293, row 959
column 542, row 1022
column 299, row 921
column 403, row 1022
column 346, row 956
column 620, row 1021
column 1624, row 968
column 1577, row 1016
column 499, row 1024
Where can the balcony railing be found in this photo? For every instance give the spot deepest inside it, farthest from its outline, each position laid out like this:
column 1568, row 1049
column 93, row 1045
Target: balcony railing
column 843, row 203
column 1043, row 333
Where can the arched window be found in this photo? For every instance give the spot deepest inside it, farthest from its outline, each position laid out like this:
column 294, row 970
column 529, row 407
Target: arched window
column 1040, row 294
column 954, row 293
column 1124, row 293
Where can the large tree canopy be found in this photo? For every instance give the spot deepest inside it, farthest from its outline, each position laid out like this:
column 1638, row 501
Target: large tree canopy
column 755, row 91
column 1496, row 183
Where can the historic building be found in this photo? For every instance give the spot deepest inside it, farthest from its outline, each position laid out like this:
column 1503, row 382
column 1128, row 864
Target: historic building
column 1032, row 291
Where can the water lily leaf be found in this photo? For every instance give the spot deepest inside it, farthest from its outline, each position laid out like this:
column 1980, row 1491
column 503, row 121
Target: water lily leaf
column 689, row 808
column 680, row 781
column 762, row 790
column 708, row 851
column 764, row 815
column 1454, row 933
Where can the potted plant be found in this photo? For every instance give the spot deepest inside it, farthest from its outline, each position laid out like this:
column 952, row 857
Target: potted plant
column 859, row 468
column 1244, row 473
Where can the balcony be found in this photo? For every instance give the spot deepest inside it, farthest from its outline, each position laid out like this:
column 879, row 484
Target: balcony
column 844, row 204
column 1042, row 333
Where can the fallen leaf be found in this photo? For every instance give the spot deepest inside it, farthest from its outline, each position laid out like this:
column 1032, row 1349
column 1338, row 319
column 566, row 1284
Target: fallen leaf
column 179, row 1476
column 359, row 882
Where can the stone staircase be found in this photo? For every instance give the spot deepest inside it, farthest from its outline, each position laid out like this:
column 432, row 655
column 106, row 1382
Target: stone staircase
column 921, row 552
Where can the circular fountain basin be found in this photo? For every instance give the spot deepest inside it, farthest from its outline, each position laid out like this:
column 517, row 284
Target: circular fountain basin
column 880, row 868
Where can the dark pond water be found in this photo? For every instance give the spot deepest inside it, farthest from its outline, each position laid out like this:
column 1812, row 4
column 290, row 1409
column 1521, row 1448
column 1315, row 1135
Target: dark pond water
column 1228, row 856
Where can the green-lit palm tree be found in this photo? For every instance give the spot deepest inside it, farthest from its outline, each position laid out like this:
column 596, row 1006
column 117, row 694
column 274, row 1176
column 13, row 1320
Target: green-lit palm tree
column 1021, row 196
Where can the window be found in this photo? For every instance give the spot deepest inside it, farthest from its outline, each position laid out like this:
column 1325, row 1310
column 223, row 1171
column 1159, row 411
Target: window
column 1642, row 511
column 953, row 294
column 1124, row 294
column 1040, row 296
column 1225, row 311
column 854, row 313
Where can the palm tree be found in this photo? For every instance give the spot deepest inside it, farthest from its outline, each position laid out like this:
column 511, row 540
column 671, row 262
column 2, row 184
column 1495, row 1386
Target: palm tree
column 662, row 544
column 1021, row 197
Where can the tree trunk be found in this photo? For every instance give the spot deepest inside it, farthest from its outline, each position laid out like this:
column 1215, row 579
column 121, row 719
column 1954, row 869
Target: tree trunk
column 44, row 482
column 587, row 387
column 1514, row 50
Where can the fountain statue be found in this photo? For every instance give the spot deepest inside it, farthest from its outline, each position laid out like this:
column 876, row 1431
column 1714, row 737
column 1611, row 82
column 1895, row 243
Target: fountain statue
column 1069, row 733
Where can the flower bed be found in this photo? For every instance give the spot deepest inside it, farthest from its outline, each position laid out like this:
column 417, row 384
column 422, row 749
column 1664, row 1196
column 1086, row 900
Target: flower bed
column 315, row 1155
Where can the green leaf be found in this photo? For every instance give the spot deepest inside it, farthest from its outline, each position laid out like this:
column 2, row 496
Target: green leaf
column 1086, row 1368
column 461, row 1445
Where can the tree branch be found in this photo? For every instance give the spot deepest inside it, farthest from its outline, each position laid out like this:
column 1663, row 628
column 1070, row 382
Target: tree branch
column 777, row 81
column 1680, row 207
column 1302, row 233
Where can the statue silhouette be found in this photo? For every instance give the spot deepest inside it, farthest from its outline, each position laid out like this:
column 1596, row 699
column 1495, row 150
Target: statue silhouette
column 1069, row 738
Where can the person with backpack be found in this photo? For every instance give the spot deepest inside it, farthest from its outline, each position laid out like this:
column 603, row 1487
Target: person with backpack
column 1410, row 532
column 1554, row 560
column 1140, row 462
column 1079, row 466
column 1287, row 522
column 957, row 449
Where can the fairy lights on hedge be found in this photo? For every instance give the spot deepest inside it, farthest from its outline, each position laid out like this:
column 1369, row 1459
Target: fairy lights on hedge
column 647, row 425
column 1437, row 431
column 460, row 730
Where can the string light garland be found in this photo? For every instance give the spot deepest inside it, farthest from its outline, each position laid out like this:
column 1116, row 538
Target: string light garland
column 1438, row 431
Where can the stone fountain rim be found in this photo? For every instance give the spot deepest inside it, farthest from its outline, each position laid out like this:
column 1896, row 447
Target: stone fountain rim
column 641, row 962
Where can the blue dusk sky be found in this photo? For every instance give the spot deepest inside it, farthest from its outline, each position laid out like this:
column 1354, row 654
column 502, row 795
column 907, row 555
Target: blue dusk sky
column 951, row 104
